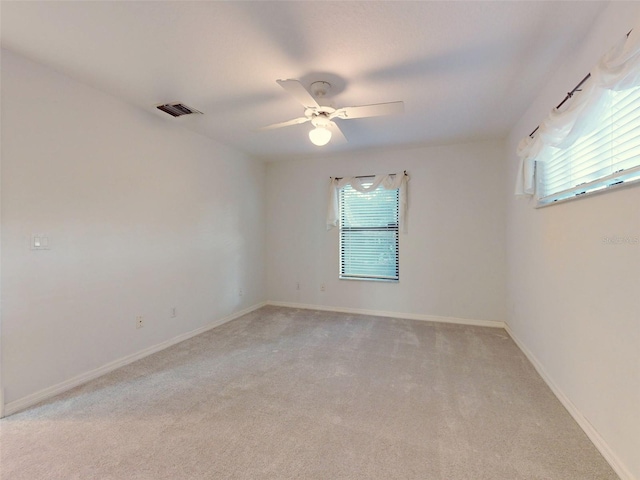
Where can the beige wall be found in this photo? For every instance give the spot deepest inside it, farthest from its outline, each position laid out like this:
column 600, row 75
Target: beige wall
column 451, row 259
column 573, row 299
column 142, row 216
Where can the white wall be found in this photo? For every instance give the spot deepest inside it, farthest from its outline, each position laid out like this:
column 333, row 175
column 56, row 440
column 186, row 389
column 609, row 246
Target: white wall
column 142, row 215
column 573, row 301
column 452, row 260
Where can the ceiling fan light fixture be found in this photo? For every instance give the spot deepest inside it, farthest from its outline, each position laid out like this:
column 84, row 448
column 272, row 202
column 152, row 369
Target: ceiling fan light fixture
column 320, row 136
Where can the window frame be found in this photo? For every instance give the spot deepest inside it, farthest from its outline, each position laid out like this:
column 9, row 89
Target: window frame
column 395, row 228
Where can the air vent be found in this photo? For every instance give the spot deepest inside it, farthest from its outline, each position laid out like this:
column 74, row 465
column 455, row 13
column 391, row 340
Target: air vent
column 177, row 109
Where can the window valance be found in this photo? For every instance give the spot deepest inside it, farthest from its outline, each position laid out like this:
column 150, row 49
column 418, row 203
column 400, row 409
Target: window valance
column 389, row 182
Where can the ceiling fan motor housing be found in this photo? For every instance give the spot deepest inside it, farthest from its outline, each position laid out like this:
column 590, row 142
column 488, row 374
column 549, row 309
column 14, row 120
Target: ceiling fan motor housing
column 321, row 120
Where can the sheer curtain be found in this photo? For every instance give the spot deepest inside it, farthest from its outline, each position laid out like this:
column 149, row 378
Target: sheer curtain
column 618, row 70
column 389, row 182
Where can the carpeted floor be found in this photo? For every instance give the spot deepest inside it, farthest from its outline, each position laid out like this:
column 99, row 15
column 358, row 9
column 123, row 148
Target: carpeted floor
column 284, row 393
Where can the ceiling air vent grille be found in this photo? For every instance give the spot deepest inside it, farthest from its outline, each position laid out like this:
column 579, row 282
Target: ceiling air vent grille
column 177, row 109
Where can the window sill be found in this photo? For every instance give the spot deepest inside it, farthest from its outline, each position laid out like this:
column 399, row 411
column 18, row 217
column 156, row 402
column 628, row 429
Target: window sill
column 628, row 179
column 366, row 279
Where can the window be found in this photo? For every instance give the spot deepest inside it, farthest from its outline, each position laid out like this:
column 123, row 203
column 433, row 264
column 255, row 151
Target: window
column 606, row 156
column 368, row 233
column 590, row 142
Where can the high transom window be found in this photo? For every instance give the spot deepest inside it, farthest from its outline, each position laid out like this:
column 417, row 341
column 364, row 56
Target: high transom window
column 607, row 156
column 590, row 142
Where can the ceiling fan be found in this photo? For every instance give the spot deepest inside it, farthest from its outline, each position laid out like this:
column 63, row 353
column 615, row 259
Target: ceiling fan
column 322, row 117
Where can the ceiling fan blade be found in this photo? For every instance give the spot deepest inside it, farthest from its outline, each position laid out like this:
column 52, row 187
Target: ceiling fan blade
column 337, row 136
column 297, row 91
column 363, row 111
column 295, row 121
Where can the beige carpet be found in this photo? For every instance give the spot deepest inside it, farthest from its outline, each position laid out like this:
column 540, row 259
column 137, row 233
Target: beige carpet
column 285, row 393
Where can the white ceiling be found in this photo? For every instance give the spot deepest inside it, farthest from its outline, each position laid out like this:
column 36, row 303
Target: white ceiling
column 465, row 70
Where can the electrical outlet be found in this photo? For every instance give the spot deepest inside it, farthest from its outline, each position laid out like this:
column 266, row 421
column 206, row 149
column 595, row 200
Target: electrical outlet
column 298, row 286
column 173, row 313
column 322, row 288
column 139, row 321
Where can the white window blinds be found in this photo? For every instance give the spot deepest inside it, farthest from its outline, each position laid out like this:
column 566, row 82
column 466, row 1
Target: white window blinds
column 606, row 156
column 589, row 143
column 368, row 233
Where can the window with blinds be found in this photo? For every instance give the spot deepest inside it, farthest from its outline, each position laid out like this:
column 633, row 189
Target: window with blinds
column 608, row 156
column 368, row 234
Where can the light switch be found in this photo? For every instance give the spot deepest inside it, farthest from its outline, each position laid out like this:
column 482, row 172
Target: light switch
column 40, row 241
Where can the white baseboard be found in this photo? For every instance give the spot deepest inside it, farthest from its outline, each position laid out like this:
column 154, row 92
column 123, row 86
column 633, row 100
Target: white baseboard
column 37, row 397
column 599, row 442
column 379, row 313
